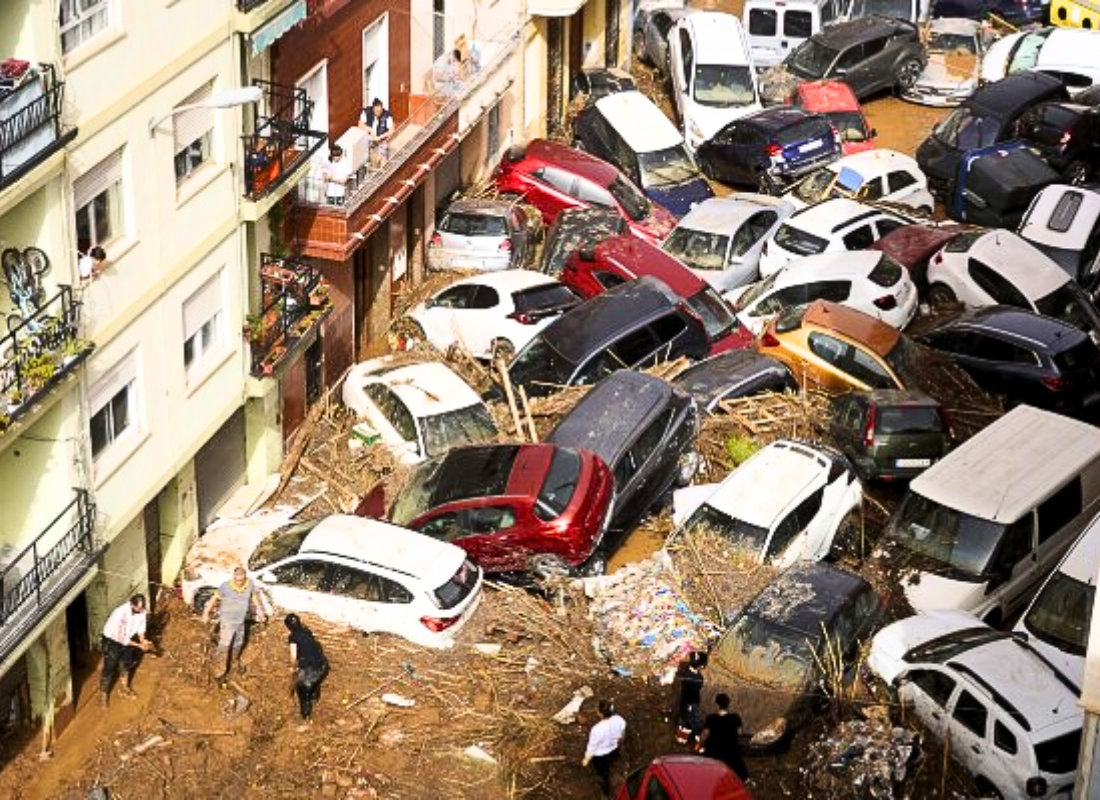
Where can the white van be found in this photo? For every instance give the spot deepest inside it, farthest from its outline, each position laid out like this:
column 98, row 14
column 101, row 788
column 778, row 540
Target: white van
column 1058, row 619
column 776, row 27
column 712, row 74
column 982, row 526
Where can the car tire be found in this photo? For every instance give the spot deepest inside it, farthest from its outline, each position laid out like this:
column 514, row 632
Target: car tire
column 501, row 348
column 201, row 598
column 907, row 74
column 687, row 467
column 1077, row 173
column 941, row 297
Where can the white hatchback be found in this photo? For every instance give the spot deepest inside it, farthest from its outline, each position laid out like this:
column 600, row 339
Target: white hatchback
column 868, row 281
column 363, row 573
column 417, row 410
column 873, row 175
column 493, row 315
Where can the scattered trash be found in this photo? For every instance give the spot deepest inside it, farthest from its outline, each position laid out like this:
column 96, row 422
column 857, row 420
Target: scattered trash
column 569, row 711
column 392, row 737
column 475, row 753
column 236, row 706
column 532, row 665
column 861, row 759
column 397, row 700
column 488, row 649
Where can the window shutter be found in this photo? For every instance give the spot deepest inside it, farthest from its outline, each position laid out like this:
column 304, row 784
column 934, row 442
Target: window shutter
column 97, row 180
column 201, row 306
column 188, row 126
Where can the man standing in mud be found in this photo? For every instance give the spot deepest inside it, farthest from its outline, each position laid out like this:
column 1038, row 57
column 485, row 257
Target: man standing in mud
column 235, row 598
column 124, row 631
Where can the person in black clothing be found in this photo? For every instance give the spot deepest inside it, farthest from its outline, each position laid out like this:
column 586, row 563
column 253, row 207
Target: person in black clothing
column 720, row 739
column 689, row 676
column 309, row 664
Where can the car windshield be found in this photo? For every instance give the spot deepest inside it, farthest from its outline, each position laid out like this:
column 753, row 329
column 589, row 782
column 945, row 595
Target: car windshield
column 698, row 249
column 799, row 241
column 560, row 484
column 723, row 85
column 815, row 186
column 956, row 541
column 894, row 9
column 954, row 43
column 570, row 232
column 415, row 497
column 708, row 519
column 1058, row 756
column 964, row 130
column 668, row 167
column 540, row 363
column 850, row 125
column 633, row 202
column 1069, row 304
column 1062, row 612
column 1025, row 53
column 717, row 316
column 763, row 652
column 458, row 427
column 908, row 419
column 281, row 544
column 755, row 292
column 811, row 59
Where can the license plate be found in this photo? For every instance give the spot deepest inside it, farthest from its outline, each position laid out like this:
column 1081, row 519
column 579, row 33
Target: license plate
column 809, row 146
column 913, row 462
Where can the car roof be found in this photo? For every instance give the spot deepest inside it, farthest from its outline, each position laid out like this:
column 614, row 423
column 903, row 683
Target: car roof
column 373, row 541
column 700, row 778
column 1009, row 95
column 786, row 468
column 830, row 216
column 475, row 471
column 1019, row 262
column 429, row 388
column 776, row 117
column 805, row 596
column 897, row 397
column 642, row 258
column 717, row 38
column 505, row 280
column 872, row 163
column 709, row 378
column 827, row 95
column 854, row 31
column 465, row 205
column 1068, row 47
column 871, row 332
column 724, row 214
column 1044, row 333
column 572, row 160
column 1021, row 459
column 1080, row 225
column 824, row 266
column 606, row 419
column 642, row 125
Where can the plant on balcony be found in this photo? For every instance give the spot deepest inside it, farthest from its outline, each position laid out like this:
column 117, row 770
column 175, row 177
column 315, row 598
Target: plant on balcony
column 319, row 295
column 74, row 348
column 253, row 328
column 39, row 371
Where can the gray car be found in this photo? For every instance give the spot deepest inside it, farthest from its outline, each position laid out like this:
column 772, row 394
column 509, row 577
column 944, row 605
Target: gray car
column 483, row 234
column 651, row 29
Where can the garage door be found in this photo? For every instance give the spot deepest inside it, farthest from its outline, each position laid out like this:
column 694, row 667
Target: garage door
column 219, row 468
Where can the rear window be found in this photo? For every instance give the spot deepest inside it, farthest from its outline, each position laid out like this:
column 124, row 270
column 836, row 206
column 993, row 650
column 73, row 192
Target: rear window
column 908, row 419
column 457, row 588
column 800, row 132
column 799, row 241
column 474, row 225
column 1065, row 210
column 798, row 24
column 1081, row 356
column 717, row 317
column 1059, row 755
column 560, row 484
column 886, row 273
column 550, row 297
column 762, row 22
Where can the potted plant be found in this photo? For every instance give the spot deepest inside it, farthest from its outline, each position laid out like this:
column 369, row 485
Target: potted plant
column 39, row 371
column 253, row 328
column 74, row 348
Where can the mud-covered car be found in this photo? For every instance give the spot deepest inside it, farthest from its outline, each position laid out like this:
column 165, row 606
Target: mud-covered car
column 574, row 228
column 773, row 660
column 733, row 374
column 955, row 48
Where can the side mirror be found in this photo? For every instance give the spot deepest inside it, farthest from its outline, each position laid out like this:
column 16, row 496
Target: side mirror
column 268, row 577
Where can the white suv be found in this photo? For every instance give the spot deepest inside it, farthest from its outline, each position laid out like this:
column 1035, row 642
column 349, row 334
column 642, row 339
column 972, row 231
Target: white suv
column 1009, row 717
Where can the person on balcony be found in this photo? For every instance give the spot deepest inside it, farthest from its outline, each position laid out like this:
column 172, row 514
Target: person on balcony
column 91, row 263
column 123, row 634
column 336, row 174
column 378, row 122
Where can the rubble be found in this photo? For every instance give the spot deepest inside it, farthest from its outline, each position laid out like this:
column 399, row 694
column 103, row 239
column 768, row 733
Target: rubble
column 861, row 759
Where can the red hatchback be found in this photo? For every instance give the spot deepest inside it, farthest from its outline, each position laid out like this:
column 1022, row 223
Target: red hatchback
column 553, row 177
column 504, row 503
column 681, row 777
column 618, row 259
column 838, row 103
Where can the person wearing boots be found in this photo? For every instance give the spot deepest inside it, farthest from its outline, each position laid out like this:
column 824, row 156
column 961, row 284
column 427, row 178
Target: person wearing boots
column 123, row 633
column 235, row 599
column 309, row 664
column 689, row 677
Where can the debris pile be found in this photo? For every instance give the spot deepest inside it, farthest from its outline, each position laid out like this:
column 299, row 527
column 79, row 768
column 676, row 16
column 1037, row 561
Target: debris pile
column 866, row 759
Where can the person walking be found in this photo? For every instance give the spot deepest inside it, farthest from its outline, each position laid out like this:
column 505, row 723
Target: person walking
column 336, row 174
column 689, row 676
column 122, row 635
column 235, row 599
column 309, row 665
column 721, row 737
column 603, row 744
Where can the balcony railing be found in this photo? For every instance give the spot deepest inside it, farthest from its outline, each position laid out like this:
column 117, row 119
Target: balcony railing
column 295, row 300
column 33, row 579
column 245, row 6
column 37, row 352
column 30, row 117
column 281, row 140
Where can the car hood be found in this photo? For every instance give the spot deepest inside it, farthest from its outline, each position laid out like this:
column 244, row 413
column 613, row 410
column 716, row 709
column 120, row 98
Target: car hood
column 928, row 592
column 227, row 543
column 894, row 641
column 711, row 119
column 686, row 500
column 943, row 71
column 778, row 85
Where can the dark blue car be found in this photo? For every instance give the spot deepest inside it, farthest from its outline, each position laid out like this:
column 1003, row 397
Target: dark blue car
column 769, row 148
column 1015, row 12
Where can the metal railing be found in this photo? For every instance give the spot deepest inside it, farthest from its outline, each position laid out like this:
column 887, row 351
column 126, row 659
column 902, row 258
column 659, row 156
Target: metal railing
column 37, row 575
column 30, row 123
column 244, row 6
column 292, row 292
column 281, row 139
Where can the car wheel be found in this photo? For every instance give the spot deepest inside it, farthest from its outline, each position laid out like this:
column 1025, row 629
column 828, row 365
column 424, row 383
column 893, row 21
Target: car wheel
column 201, row 598
column 502, row 348
column 941, row 297
column 908, row 74
column 687, row 467
column 1077, row 173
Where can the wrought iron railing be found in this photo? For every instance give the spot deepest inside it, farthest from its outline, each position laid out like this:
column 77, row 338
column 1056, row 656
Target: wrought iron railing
column 245, row 6
column 30, row 122
column 281, row 139
column 295, row 299
column 38, row 351
column 39, row 574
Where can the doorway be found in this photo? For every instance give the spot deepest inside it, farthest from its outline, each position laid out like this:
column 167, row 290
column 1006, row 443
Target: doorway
column 376, row 62
column 439, row 22
column 315, row 83
column 81, row 662
column 150, row 518
column 315, row 371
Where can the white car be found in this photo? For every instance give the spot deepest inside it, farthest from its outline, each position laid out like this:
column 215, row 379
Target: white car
column 712, row 74
column 418, row 410
column 1001, row 268
column 1064, row 222
column 1066, row 53
column 867, row 280
column 785, row 504
column 955, row 46
column 882, row 175
column 495, row 315
column 831, row 226
column 482, row 235
column 1008, row 717
column 363, row 573
column 720, row 239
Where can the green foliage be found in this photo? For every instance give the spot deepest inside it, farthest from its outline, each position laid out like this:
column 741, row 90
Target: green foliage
column 740, row 449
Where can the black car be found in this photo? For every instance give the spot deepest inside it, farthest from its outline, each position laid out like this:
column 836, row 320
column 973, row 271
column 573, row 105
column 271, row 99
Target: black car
column 736, row 373
column 770, row 660
column 986, row 118
column 644, row 429
column 577, row 227
column 769, row 147
column 1027, row 357
column 592, row 83
column 1015, row 12
column 871, row 55
column 890, row 433
column 1068, row 137
column 633, row 325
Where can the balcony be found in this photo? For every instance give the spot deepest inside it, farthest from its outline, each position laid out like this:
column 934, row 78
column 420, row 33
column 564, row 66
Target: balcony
column 38, row 352
column 295, row 301
column 30, row 118
column 35, row 579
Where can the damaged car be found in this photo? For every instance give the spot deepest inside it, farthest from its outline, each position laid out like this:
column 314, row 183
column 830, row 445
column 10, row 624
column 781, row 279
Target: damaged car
column 734, row 374
column 955, row 48
column 575, row 227
column 885, row 176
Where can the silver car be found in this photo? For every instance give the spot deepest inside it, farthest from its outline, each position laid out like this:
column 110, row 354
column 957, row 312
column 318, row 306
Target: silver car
column 955, row 48
column 652, row 24
column 485, row 235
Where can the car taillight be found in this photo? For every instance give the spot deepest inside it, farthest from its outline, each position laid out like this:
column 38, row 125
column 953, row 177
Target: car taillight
column 938, row 258
column 506, row 245
column 773, row 150
column 522, row 318
column 1065, row 138
column 768, row 340
column 869, row 431
column 1055, row 383
column 438, row 624
column 436, row 240
column 1036, row 787
column 945, row 421
column 887, row 302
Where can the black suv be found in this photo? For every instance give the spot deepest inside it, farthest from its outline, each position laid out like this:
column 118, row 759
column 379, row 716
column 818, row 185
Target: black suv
column 644, row 429
column 871, row 55
column 1068, row 137
column 769, row 147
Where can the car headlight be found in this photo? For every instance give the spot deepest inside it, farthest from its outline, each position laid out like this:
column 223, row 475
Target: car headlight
column 771, row 734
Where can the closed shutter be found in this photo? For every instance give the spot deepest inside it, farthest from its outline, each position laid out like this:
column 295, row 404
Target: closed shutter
column 97, row 180
column 220, row 468
column 189, row 126
column 202, row 305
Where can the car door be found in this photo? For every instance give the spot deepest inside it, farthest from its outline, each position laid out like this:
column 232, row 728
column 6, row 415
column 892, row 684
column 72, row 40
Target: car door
column 827, row 370
column 356, row 599
column 1012, row 569
column 928, row 690
column 438, row 317
column 680, row 55
column 844, row 423
column 876, row 69
column 900, row 185
column 850, row 67
column 1060, row 520
column 477, row 322
column 988, row 287
column 969, row 729
column 859, row 238
column 495, row 539
column 555, row 192
column 759, row 226
column 1008, row 367
column 298, row 585
column 791, row 540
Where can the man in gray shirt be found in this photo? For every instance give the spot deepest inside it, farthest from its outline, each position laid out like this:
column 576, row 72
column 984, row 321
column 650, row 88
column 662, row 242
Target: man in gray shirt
column 234, row 599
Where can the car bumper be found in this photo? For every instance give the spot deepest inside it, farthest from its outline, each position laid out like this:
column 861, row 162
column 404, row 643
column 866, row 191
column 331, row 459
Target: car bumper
column 938, row 98
column 444, row 261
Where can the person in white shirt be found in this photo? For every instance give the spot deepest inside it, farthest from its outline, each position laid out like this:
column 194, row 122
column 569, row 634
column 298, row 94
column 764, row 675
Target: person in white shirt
column 91, row 263
column 336, row 173
column 125, row 630
column 603, row 744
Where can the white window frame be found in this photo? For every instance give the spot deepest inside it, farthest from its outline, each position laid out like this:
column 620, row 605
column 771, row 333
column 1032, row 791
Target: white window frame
column 122, row 380
column 193, row 135
column 204, row 329
column 104, row 180
column 96, row 15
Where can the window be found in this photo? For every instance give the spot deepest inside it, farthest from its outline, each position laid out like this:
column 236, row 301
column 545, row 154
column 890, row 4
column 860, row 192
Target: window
column 559, row 179
column 971, row 713
column 654, row 790
column 686, row 53
column 798, row 24
column 633, row 348
column 864, row 367
column 445, row 527
column 849, row 58
column 872, row 190
column 762, row 22
column 456, row 297
column 1059, row 509
column 608, row 280
column 193, row 134
column 396, row 412
column 859, row 239
column 936, row 685
column 899, row 180
column 490, row 519
column 827, row 348
column 1003, row 739
column 1016, row 546
column 493, row 137
column 589, row 192
column 885, row 226
column 355, row 584
column 203, row 328
column 82, row 21
column 309, row 576
column 797, row 521
column 996, row 286
column 485, row 297
column 97, row 197
column 114, row 403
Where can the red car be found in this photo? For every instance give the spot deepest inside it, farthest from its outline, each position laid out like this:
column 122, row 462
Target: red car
column 838, row 102
column 618, row 259
column 504, row 503
column 553, row 177
column 678, row 777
